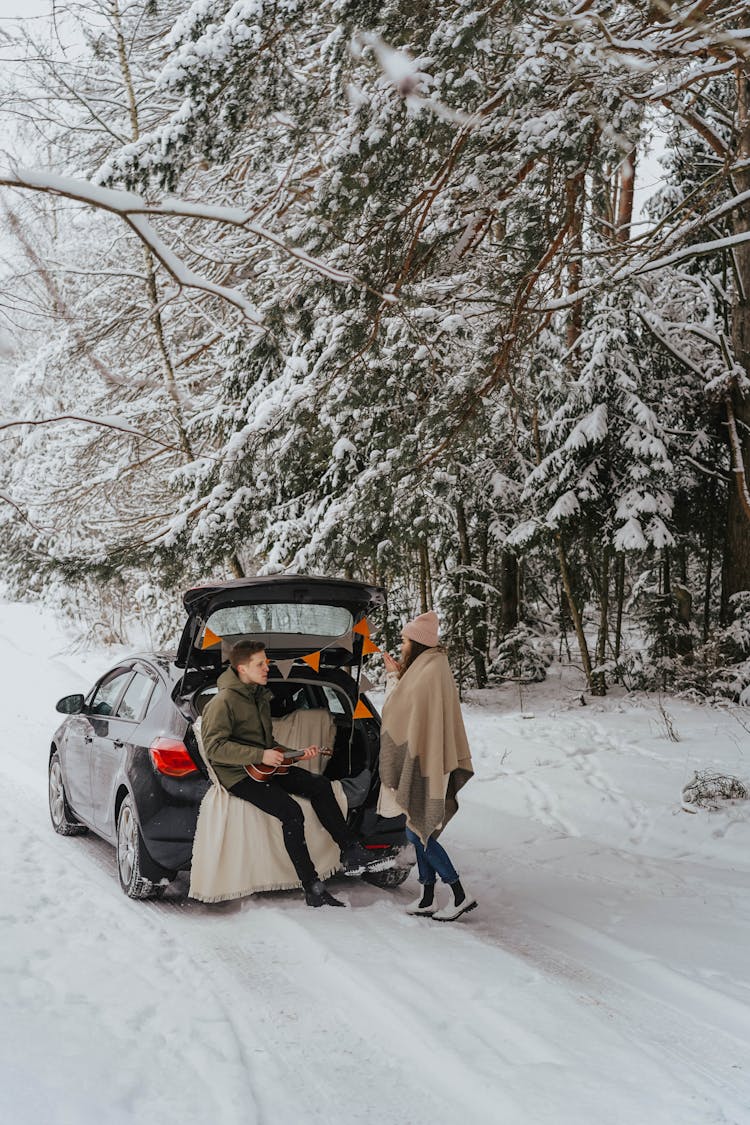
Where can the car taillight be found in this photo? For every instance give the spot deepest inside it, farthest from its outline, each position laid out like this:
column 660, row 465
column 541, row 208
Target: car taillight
column 171, row 757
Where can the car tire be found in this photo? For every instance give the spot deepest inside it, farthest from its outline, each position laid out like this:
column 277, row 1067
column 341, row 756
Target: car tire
column 129, row 843
column 63, row 820
column 391, row 877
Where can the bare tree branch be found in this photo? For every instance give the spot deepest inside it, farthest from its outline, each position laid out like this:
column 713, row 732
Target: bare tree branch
column 136, row 211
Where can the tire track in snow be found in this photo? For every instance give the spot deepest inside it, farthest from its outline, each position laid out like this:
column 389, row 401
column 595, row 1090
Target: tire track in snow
column 334, row 1008
column 705, row 1034
column 87, row 980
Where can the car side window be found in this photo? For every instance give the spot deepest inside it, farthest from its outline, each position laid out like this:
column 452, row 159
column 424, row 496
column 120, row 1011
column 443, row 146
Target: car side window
column 335, row 706
column 301, row 700
column 137, row 694
column 106, row 694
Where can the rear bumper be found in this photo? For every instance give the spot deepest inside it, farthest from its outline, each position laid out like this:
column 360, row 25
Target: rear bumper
column 168, row 814
column 374, row 830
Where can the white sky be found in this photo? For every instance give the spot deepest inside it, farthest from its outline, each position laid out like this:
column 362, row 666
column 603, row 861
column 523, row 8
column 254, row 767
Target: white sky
column 33, row 15
column 20, row 9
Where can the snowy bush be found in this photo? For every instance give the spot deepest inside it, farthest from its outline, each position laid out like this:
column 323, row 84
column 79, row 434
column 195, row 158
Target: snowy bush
column 521, row 656
column 711, row 791
column 130, row 611
column 730, row 674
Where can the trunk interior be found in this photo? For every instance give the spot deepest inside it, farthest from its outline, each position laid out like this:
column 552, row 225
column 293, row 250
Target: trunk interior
column 316, row 709
column 311, row 711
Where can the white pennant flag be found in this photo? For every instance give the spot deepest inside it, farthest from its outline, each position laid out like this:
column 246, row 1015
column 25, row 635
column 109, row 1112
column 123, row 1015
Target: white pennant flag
column 285, row 667
column 346, row 641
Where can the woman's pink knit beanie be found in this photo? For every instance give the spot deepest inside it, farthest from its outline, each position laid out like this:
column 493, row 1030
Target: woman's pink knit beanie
column 423, row 629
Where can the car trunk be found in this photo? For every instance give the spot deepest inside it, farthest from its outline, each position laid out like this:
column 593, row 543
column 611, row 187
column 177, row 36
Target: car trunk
column 310, row 708
column 306, row 696
column 292, row 615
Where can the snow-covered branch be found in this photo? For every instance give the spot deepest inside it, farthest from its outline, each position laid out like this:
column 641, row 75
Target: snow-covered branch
column 6, row 499
column 107, row 422
column 136, row 212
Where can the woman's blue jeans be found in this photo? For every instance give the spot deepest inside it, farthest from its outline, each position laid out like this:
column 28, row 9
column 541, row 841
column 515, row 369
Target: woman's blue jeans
column 432, row 860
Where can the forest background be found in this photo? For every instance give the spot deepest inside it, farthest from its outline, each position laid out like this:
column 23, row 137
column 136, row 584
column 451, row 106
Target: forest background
column 356, row 288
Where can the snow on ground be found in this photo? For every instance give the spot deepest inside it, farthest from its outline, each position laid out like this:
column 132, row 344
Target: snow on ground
column 604, row 979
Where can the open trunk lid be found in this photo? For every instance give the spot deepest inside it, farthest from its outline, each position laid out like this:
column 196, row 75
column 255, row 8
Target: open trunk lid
column 292, row 614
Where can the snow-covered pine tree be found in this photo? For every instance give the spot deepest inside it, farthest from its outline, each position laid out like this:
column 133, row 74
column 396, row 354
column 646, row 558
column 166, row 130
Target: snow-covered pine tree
column 604, row 483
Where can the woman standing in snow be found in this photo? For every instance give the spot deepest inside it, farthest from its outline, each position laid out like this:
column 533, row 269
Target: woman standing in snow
column 424, row 759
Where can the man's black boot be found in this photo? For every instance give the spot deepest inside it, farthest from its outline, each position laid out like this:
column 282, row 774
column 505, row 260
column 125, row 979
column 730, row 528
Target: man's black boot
column 317, row 895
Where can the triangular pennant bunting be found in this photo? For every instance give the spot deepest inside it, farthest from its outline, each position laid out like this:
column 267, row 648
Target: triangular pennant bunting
column 361, row 711
column 365, row 684
column 210, row 638
column 313, row 660
column 285, row 667
column 346, row 641
column 369, row 647
column 362, row 628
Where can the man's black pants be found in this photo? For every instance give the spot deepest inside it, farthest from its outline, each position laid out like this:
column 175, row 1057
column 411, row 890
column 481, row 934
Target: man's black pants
column 273, row 798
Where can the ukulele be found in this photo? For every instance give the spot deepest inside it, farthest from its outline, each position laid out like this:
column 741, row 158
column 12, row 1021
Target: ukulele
column 262, row 772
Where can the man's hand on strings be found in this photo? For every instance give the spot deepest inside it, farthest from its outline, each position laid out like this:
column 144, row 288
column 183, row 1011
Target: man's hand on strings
column 273, row 758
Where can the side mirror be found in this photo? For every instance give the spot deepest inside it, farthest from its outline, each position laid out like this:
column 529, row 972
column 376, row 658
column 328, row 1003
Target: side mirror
column 70, row 704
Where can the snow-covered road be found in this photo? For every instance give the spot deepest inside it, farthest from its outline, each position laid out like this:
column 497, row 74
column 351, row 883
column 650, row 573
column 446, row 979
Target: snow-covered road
column 604, row 980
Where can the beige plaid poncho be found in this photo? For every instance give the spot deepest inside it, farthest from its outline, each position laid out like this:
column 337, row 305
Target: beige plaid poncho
column 424, row 752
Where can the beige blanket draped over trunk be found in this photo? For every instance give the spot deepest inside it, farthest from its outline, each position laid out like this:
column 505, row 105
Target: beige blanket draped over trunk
column 424, row 752
column 239, row 850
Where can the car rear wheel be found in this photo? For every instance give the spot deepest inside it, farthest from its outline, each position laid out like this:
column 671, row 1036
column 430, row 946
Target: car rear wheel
column 133, row 883
column 62, row 818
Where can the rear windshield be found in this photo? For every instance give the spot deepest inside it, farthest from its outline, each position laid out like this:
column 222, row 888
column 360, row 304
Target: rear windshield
column 280, row 617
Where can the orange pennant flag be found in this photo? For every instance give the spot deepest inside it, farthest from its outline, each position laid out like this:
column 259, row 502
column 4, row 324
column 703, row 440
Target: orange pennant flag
column 313, row 660
column 362, row 628
column 210, row 638
column 361, row 712
column 369, row 646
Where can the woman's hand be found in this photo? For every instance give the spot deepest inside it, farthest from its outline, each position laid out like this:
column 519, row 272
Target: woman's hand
column 391, row 665
column 310, row 752
column 273, row 758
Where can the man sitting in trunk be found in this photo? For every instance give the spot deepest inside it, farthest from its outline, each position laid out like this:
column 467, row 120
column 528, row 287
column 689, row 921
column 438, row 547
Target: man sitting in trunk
column 237, row 733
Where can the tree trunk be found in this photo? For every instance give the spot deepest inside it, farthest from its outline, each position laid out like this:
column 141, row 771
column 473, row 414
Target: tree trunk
column 236, row 566
column 574, row 190
column 428, row 574
column 626, row 197
column 422, row 579
column 736, row 571
column 684, row 608
column 599, row 682
column 709, row 565
column 475, row 624
column 666, row 643
column 509, row 591
column 620, row 595
column 573, row 608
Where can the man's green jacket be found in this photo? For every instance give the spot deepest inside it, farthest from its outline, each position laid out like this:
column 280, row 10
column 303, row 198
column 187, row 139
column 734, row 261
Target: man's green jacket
column 236, row 727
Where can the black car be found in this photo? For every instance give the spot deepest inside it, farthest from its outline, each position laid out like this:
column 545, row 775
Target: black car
column 125, row 762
